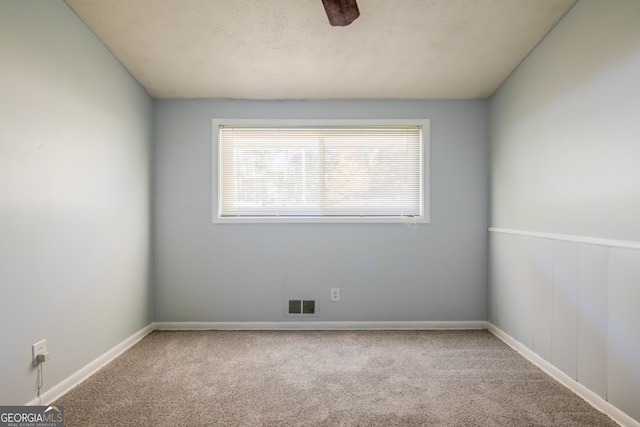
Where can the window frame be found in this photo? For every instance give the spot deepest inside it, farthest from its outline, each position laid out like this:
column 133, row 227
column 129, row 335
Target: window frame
column 216, row 170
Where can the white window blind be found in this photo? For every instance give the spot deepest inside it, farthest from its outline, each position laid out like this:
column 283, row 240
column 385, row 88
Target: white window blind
column 320, row 172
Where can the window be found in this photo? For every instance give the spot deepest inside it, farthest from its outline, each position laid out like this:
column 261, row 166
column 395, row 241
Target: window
column 305, row 171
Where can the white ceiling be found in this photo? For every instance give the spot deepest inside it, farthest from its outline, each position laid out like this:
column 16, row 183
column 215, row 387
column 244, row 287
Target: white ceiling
column 286, row 49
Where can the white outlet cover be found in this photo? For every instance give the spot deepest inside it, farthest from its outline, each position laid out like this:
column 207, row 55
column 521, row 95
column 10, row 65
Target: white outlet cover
column 335, row 294
column 38, row 348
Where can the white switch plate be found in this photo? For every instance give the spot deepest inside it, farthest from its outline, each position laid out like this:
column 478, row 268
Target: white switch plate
column 38, row 348
column 335, row 294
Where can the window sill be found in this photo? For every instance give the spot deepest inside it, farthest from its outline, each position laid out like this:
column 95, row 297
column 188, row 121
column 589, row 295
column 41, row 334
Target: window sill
column 320, row 220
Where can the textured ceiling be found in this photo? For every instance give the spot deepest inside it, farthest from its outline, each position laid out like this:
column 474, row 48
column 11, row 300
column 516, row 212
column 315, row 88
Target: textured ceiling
column 286, row 49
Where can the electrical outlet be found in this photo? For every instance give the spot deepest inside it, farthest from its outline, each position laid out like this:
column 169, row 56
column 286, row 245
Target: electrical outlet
column 335, row 294
column 39, row 348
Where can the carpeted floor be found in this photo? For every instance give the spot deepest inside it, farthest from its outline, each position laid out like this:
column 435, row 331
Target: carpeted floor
column 324, row 378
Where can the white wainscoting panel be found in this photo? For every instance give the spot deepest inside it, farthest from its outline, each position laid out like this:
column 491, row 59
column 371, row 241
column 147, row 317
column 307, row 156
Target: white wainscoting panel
column 564, row 327
column 623, row 373
column 593, row 321
column 524, row 249
column 575, row 303
column 502, row 298
column 542, row 297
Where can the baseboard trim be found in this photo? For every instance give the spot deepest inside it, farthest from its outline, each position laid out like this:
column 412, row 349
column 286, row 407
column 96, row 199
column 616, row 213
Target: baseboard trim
column 79, row 376
column 592, row 398
column 320, row 325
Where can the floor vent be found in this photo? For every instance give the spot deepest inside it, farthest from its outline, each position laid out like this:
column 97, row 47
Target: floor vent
column 302, row 307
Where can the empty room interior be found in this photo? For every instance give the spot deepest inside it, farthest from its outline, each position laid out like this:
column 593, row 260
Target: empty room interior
column 120, row 224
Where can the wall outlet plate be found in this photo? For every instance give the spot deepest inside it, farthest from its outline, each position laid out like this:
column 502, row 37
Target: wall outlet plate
column 38, row 348
column 335, row 294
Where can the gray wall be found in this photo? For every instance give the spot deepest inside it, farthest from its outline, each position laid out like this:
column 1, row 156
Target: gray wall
column 75, row 135
column 387, row 272
column 565, row 153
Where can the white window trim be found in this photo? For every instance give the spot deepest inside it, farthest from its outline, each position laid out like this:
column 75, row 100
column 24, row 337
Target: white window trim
column 217, row 122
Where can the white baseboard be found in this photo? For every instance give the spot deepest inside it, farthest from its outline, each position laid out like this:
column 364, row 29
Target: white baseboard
column 320, row 325
column 592, row 398
column 66, row 385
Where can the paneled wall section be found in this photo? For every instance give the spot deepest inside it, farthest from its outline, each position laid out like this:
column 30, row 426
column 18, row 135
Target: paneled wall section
column 575, row 304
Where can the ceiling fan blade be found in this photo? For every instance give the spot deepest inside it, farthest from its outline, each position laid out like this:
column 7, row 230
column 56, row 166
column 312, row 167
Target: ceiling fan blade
column 341, row 12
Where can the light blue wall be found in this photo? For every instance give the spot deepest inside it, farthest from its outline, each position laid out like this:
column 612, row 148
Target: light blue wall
column 565, row 134
column 75, row 138
column 565, row 129
column 387, row 272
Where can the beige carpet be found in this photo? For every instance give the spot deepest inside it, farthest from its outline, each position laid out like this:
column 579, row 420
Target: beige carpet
column 324, row 378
